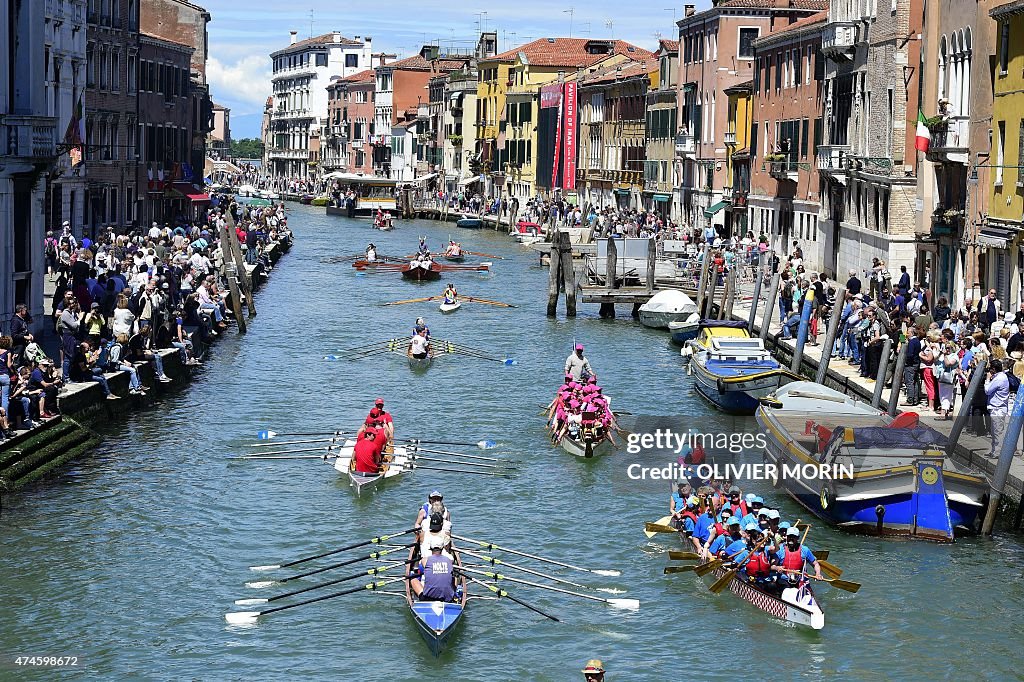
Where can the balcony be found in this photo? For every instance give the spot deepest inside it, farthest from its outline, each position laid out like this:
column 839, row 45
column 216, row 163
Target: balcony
column 29, row 138
column 839, row 39
column 290, row 154
column 686, row 143
column 951, row 141
column 729, row 138
column 782, row 169
column 289, row 114
column 832, row 160
column 727, row 194
column 947, row 222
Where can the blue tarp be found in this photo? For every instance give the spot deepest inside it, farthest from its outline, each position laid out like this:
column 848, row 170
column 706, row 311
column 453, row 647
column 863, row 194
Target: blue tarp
column 732, row 324
column 884, row 438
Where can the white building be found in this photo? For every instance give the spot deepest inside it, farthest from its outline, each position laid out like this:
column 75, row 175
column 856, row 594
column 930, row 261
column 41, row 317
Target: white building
column 27, row 147
column 64, row 39
column 301, row 73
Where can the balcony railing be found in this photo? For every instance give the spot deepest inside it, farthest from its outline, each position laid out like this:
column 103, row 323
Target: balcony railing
column 285, row 114
column 31, row 138
column 784, row 169
column 947, row 222
column 299, row 154
column 729, row 138
column 832, row 159
column 951, row 141
column 839, row 38
column 686, row 143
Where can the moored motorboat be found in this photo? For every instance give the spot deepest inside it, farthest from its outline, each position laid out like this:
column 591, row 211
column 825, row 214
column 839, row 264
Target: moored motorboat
column 668, row 306
column 792, row 604
column 449, row 307
column 731, row 369
column 686, row 330
column 436, row 621
column 887, row 476
column 470, row 223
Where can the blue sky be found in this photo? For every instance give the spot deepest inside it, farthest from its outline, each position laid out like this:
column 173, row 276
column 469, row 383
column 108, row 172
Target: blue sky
column 243, row 34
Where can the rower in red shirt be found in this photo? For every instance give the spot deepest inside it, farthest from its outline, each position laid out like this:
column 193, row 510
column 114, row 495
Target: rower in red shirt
column 385, row 417
column 366, row 453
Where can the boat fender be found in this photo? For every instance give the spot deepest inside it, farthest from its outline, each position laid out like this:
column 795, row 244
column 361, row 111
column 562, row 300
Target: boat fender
column 686, row 353
column 880, row 513
column 721, row 385
column 826, row 496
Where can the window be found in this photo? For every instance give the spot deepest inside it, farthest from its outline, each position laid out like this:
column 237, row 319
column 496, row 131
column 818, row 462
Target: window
column 797, row 59
column 115, row 71
column 746, row 42
column 1004, row 46
column 1020, row 153
column 351, row 60
column 132, row 72
column 803, row 138
column 778, row 71
column 1001, row 154
column 321, row 59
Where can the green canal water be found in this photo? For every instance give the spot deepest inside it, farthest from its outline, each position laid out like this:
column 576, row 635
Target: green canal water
column 130, row 558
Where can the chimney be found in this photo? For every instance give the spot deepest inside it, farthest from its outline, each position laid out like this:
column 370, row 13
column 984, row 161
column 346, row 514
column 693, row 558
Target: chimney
column 293, row 34
column 689, row 10
column 337, row 36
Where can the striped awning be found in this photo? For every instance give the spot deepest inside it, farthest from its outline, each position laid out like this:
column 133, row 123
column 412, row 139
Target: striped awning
column 715, row 208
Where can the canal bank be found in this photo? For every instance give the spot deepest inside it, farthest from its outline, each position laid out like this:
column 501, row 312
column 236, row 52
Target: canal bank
column 33, row 453
column 157, row 527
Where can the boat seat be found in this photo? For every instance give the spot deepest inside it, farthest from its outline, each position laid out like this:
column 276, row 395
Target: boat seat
column 905, row 420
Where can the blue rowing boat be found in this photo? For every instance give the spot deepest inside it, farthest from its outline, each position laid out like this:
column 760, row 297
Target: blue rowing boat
column 470, row 223
column 436, row 620
column 732, row 369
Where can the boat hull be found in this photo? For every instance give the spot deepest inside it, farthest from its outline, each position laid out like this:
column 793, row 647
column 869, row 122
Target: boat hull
column 735, row 395
column 586, row 450
column 436, row 621
column 470, row 223
column 419, row 274
column 684, row 332
column 792, row 605
column 395, row 463
column 661, row 320
column 420, row 364
column 449, row 307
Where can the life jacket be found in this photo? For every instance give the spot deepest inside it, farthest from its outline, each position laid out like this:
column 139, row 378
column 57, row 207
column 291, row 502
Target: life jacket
column 793, row 561
column 719, row 529
column 741, row 507
column 757, row 566
column 697, row 455
column 687, row 514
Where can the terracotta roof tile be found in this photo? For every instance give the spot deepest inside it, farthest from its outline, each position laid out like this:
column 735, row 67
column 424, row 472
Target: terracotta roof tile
column 325, row 39
column 780, row 4
column 670, row 45
column 419, row 63
column 569, row 52
column 819, row 18
column 610, row 74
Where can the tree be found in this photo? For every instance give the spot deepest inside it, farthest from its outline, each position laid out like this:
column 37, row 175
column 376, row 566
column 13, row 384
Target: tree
column 247, row 148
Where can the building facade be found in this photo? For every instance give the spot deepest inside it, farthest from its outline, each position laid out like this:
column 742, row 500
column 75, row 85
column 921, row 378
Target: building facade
column 300, row 76
column 784, row 201
column 65, row 63
column 218, row 142
column 737, row 158
column 659, row 165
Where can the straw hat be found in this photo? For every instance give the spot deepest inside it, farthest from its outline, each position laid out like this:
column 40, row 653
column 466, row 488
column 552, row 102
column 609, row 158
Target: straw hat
column 593, row 666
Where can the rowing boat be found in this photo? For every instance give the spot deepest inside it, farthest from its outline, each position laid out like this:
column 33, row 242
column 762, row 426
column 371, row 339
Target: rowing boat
column 421, row 273
column 394, row 465
column 449, row 307
column 420, row 363
column 455, row 257
column 585, row 448
column 793, row 605
column 471, row 223
column 435, row 620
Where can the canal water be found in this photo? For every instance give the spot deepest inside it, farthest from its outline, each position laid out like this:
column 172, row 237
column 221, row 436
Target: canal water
column 130, row 558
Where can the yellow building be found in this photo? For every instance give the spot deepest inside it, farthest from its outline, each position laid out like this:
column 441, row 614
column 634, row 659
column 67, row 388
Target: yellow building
column 1001, row 232
column 508, row 108
column 737, row 158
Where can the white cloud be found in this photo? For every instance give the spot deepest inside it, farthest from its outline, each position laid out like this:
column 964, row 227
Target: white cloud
column 246, row 81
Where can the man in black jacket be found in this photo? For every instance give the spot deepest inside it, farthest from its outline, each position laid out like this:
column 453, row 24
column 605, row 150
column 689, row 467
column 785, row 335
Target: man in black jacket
column 20, row 333
column 853, row 284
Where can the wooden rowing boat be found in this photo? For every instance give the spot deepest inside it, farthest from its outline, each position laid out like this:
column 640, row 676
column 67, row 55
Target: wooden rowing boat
column 395, row 463
column 585, row 448
column 420, row 363
column 436, row 621
column 793, row 605
column 449, row 307
column 419, row 273
column 455, row 258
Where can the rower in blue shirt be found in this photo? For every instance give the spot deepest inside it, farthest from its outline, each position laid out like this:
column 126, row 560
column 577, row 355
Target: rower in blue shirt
column 793, row 556
column 754, row 504
column 704, row 529
column 733, row 535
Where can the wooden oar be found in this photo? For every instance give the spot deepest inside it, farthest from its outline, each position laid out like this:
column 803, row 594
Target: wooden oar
column 243, row 617
column 631, row 604
column 679, row 569
column 684, row 556
column 489, row 546
column 831, row 570
column 354, row 576
column 483, row 255
column 723, row 582
column 372, row 541
column 847, row 585
column 260, row 584
column 414, row 300
column 493, row 561
column 659, row 524
column 503, row 594
column 474, row 299
column 705, row 568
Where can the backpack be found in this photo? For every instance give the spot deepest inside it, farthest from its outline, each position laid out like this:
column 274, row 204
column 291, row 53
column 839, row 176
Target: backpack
column 51, row 247
column 114, row 356
column 1014, row 381
column 103, row 361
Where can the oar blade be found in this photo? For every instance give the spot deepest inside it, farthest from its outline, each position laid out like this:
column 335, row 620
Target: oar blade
column 509, row 362
column 658, row 528
column 847, row 585
column 628, row 604
column 265, row 435
column 250, row 602
column 820, row 554
column 719, row 585
column 260, row 584
column 683, row 556
column 704, row 569
column 272, row 567
column 605, row 572
column 830, row 570
column 486, row 444
column 679, row 569
column 663, row 521
column 242, row 617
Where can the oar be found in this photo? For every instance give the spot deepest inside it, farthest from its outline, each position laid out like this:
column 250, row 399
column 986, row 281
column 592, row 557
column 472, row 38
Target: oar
column 705, row 568
column 502, row 593
column 365, row 346
column 455, row 461
column 461, row 471
column 659, row 524
column 631, row 604
column 489, row 546
column 416, row 448
column 493, row 561
column 414, row 300
column 285, row 452
column 831, row 570
column 354, row 576
column 260, row 584
column 482, row 444
column 723, row 582
column 679, row 569
column 296, row 442
column 243, row 617
column 258, row 457
column 847, row 585
column 474, row 299
column 267, row 435
column 484, row 255
column 684, row 556
column 372, row 541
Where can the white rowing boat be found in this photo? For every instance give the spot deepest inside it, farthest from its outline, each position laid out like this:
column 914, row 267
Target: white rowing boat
column 449, row 307
column 395, row 464
column 582, row 448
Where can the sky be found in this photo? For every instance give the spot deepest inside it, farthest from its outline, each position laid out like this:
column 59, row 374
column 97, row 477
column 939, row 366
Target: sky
column 243, row 34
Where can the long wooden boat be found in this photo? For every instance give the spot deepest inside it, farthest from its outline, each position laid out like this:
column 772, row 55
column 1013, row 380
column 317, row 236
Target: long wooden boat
column 449, row 307
column 417, row 273
column 895, row 476
column 585, row 448
column 395, row 463
column 793, row 605
column 455, row 258
column 731, row 369
column 436, row 621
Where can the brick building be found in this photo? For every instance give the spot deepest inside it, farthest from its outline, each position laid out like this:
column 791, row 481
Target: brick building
column 659, row 165
column 344, row 144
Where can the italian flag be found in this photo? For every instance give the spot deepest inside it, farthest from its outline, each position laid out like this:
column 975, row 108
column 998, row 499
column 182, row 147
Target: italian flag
column 924, row 136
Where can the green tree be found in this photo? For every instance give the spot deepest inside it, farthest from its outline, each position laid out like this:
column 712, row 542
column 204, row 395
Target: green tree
column 247, row 148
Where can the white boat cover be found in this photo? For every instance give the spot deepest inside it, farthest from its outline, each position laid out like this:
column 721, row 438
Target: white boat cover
column 670, row 301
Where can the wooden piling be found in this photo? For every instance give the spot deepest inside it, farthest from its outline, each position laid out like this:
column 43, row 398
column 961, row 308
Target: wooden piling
column 830, row 335
column 1011, row 434
column 228, row 270
column 977, row 379
column 801, row 337
column 709, row 296
column 897, row 380
column 883, row 367
column 243, row 275
column 769, row 305
column 611, row 278
column 652, row 259
column 702, row 282
column 756, row 301
column 554, row 272
column 568, row 274
column 729, row 297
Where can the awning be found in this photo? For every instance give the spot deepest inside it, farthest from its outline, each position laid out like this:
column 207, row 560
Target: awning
column 662, row 198
column 190, row 192
column 620, row 191
column 424, row 178
column 998, row 236
column 470, row 180
column 715, row 208
column 456, row 98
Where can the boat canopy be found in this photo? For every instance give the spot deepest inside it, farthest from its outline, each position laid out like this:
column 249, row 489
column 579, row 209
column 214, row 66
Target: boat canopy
column 731, row 324
column 670, row 301
column 886, row 438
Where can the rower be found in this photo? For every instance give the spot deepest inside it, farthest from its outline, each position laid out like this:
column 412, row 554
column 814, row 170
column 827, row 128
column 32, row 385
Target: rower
column 366, row 454
column 434, row 527
column 593, row 671
column 423, row 246
column 438, row 575
column 385, row 419
column 758, row 567
column 454, row 248
column 420, row 324
column 419, row 346
column 736, row 546
column 735, row 504
column 578, row 365
column 754, row 506
column 677, row 503
column 704, row 530
column 434, row 496
column 792, row 557
column 451, row 294
column 371, row 253
column 731, row 534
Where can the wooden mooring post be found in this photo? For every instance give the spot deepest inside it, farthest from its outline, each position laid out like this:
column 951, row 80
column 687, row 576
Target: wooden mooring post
column 228, row 270
column 702, row 282
column 729, row 295
column 243, row 275
column 769, row 305
column 708, row 312
column 830, row 335
column 883, row 367
column 756, row 301
column 561, row 276
column 611, row 277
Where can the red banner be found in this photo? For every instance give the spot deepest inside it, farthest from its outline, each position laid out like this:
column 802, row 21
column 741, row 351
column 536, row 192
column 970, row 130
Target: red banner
column 558, row 145
column 550, row 96
column 571, row 121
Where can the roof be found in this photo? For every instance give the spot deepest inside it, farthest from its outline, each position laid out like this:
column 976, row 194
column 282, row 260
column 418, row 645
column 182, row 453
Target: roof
column 619, row 72
column 419, row 63
column 164, row 42
column 325, row 39
column 794, row 29
column 670, row 45
column 1007, row 9
column 571, row 52
column 779, row 4
column 740, row 88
